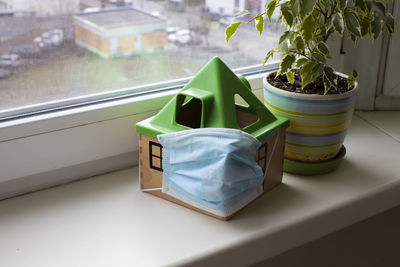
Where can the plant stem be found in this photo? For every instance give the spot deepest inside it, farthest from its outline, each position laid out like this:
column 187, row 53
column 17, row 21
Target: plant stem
column 327, row 35
column 262, row 14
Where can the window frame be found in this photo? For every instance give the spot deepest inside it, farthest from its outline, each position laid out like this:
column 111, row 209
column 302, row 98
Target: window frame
column 152, row 146
column 383, row 101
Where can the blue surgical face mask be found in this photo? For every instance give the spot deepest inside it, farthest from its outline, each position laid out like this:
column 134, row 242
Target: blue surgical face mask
column 211, row 168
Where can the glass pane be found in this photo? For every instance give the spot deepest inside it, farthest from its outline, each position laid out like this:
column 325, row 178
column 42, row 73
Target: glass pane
column 60, row 49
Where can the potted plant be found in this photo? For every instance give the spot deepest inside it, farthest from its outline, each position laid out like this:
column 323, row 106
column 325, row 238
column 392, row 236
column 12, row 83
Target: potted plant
column 306, row 89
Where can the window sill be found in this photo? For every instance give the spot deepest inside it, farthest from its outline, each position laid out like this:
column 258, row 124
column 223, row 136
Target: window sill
column 107, row 221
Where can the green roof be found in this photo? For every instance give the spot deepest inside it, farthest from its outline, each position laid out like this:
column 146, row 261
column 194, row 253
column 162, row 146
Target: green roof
column 208, row 100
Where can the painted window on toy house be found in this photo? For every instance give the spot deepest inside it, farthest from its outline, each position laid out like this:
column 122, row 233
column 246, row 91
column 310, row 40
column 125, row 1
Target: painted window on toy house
column 155, row 154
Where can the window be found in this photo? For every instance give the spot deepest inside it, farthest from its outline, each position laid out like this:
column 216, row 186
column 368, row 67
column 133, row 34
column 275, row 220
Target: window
column 85, row 103
column 56, row 54
column 155, row 153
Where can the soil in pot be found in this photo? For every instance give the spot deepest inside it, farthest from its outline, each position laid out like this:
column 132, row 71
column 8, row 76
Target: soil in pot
column 315, row 87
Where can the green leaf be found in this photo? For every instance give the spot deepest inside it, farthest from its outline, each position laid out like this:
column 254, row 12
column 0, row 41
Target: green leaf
column 297, row 27
column 317, row 71
column 284, row 47
column 320, row 32
column 301, row 61
column 389, row 20
column 327, row 84
column 342, row 4
column 323, row 48
column 318, row 57
column 361, row 5
column 380, row 9
column 230, row 30
column 292, row 48
column 329, row 23
column 270, row 54
column 292, row 36
column 242, row 13
column 259, row 20
column 299, row 44
column 330, row 75
column 284, row 36
column 368, row 4
column 287, row 16
column 338, row 22
column 352, row 24
column 376, row 28
column 352, row 79
column 308, row 28
column 353, row 38
column 270, row 9
column 305, row 7
column 290, row 77
column 286, row 63
column 295, row 4
column 365, row 26
column 355, row 74
column 306, row 73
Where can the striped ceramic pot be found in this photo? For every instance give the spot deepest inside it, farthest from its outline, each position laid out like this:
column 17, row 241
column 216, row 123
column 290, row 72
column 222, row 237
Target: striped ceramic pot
column 318, row 123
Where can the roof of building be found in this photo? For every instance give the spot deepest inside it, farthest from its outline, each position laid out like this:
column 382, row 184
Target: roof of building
column 110, row 18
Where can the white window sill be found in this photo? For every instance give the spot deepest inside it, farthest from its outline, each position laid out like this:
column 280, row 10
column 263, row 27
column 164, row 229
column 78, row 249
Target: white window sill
column 107, row 221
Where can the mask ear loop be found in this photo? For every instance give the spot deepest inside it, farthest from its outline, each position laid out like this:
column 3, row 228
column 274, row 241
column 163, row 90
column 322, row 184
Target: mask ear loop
column 272, row 153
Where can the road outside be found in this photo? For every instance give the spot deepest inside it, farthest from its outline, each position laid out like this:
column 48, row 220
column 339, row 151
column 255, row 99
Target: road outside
column 53, row 71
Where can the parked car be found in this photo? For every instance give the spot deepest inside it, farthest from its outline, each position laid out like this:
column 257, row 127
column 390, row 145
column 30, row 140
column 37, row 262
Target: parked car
column 53, row 37
column 10, row 60
column 172, row 34
column 26, row 51
column 38, row 41
column 184, row 37
column 172, row 29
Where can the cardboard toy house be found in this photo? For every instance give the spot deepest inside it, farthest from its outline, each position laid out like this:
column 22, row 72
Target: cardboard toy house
column 208, row 100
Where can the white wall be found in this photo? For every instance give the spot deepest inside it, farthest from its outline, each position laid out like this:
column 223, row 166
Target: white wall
column 228, row 7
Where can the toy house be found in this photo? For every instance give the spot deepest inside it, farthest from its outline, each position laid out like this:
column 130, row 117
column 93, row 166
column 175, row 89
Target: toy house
column 208, row 100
